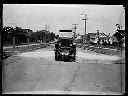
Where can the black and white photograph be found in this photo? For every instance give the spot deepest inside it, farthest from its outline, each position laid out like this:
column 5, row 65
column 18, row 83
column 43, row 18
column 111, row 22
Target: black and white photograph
column 63, row 49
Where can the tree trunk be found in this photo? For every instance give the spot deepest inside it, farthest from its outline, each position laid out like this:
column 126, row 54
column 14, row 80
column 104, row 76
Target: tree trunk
column 17, row 41
column 28, row 42
column 14, row 42
column 44, row 39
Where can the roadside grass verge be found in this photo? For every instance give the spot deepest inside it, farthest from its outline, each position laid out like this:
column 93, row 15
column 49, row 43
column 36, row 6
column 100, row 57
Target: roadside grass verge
column 11, row 51
column 109, row 50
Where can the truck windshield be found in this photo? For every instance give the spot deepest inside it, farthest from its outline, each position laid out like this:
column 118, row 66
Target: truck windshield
column 66, row 34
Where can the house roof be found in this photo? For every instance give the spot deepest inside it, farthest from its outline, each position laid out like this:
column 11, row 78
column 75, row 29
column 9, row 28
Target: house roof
column 118, row 35
column 65, row 30
column 92, row 35
column 103, row 35
column 103, row 38
column 122, row 32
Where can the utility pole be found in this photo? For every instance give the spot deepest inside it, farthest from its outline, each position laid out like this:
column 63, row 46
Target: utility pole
column 46, row 27
column 48, row 33
column 75, row 30
column 49, row 28
column 85, row 27
column 98, row 34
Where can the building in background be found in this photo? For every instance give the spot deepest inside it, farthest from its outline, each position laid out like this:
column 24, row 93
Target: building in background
column 92, row 37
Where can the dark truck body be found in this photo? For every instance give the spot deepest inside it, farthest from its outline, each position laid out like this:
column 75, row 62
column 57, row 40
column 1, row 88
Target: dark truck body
column 65, row 49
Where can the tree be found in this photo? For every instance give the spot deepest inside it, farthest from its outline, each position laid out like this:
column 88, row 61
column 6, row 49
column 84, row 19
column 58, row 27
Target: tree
column 57, row 36
column 118, row 26
column 43, row 35
column 119, row 36
column 7, row 35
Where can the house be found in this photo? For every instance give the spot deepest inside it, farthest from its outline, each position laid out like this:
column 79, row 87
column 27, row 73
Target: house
column 103, row 38
column 92, row 37
column 122, row 32
column 79, row 39
column 112, row 39
column 120, row 36
column 95, row 38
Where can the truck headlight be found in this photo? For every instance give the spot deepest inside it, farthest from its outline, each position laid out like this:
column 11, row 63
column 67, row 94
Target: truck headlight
column 74, row 43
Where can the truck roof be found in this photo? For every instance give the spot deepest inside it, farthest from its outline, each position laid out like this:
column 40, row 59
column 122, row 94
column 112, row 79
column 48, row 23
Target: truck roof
column 65, row 30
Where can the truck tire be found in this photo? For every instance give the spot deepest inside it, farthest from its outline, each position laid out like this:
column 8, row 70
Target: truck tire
column 74, row 57
column 56, row 56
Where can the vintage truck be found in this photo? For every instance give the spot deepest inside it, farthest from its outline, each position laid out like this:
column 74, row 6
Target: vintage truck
column 65, row 48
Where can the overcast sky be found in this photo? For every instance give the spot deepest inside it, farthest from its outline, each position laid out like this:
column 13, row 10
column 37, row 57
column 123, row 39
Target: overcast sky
column 35, row 17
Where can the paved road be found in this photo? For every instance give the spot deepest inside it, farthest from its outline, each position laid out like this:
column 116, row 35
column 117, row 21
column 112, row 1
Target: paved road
column 38, row 72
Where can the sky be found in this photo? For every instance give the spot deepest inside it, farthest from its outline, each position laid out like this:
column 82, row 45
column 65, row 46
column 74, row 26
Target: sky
column 63, row 16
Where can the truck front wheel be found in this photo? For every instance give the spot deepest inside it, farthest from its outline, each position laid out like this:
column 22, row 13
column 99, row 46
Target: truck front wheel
column 56, row 56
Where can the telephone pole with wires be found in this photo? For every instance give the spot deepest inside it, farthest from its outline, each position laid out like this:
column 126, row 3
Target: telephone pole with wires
column 85, row 27
column 74, row 30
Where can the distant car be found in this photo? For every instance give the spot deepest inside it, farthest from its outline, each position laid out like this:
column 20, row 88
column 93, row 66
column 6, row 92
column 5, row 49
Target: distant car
column 65, row 49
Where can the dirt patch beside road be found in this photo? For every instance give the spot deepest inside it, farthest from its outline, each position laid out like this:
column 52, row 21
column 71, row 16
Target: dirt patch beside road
column 10, row 51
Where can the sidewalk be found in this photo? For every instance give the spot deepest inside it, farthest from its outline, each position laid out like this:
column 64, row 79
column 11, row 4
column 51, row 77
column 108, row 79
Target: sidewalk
column 107, row 51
